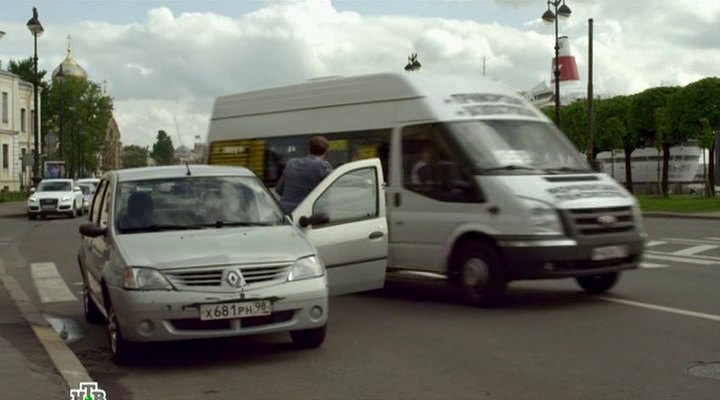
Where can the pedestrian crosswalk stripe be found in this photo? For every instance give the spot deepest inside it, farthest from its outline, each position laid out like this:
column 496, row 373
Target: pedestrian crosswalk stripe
column 712, row 238
column 50, row 286
column 695, row 249
column 651, row 243
column 651, row 265
column 692, row 241
column 679, row 259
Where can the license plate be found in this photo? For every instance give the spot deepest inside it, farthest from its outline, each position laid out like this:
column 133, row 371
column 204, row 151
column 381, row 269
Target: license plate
column 235, row 310
column 609, row 252
column 48, row 207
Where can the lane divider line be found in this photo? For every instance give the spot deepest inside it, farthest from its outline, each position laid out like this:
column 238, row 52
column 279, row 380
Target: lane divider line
column 655, row 307
column 695, row 249
column 679, row 259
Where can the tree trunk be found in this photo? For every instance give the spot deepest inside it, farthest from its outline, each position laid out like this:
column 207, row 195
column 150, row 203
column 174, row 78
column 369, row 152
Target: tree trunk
column 628, row 169
column 705, row 174
column 711, row 172
column 665, row 169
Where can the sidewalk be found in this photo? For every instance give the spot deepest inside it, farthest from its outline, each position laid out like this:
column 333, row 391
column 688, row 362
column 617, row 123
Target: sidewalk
column 26, row 371
column 9, row 209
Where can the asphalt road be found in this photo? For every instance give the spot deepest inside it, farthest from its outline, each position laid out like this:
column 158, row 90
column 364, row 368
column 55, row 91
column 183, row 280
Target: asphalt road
column 416, row 339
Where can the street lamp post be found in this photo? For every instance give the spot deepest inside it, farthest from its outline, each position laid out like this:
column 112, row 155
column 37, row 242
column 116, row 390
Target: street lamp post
column 549, row 16
column 36, row 29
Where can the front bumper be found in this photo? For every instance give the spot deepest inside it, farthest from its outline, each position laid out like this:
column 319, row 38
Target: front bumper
column 152, row 316
column 36, row 209
column 528, row 258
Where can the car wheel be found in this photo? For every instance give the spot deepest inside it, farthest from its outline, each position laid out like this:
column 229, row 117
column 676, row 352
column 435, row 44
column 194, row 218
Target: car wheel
column 92, row 312
column 309, row 338
column 73, row 212
column 481, row 274
column 596, row 284
column 122, row 351
column 31, row 216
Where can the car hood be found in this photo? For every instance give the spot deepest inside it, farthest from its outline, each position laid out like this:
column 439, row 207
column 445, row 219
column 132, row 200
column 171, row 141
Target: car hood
column 179, row 249
column 51, row 195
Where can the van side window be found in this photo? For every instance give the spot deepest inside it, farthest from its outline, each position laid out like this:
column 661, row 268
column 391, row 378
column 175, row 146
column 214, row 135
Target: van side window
column 430, row 167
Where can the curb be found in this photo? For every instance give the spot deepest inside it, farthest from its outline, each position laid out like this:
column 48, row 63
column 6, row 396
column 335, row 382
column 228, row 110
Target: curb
column 66, row 362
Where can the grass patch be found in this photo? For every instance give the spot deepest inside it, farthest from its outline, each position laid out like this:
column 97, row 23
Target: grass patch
column 679, row 203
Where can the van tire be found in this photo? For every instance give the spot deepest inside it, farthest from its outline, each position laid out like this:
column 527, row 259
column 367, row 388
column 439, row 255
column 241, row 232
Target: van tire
column 596, row 284
column 309, row 338
column 480, row 273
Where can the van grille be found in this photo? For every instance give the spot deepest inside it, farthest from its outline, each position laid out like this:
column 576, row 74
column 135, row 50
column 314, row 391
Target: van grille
column 599, row 221
column 215, row 277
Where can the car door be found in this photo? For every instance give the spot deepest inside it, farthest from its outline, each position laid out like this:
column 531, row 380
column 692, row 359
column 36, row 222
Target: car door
column 344, row 218
column 95, row 250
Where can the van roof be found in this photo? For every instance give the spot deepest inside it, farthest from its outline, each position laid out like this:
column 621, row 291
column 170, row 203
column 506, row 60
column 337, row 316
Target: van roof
column 337, row 91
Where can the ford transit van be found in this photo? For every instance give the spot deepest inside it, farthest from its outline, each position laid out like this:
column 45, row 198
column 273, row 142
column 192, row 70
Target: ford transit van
column 482, row 188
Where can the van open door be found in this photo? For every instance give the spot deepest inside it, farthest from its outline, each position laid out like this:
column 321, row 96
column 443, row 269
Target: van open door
column 344, row 218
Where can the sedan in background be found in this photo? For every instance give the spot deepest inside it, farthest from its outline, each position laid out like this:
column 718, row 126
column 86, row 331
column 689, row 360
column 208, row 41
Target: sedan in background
column 55, row 196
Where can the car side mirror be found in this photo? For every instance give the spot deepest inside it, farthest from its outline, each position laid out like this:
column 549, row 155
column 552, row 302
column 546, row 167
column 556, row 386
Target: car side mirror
column 315, row 219
column 92, row 230
column 32, row 190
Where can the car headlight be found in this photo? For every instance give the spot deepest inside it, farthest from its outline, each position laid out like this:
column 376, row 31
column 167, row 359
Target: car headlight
column 544, row 218
column 306, row 267
column 64, row 199
column 145, row 279
column 32, row 200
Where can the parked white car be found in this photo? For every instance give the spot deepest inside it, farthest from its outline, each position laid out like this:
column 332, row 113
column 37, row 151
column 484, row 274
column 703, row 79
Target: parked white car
column 93, row 181
column 55, row 196
column 188, row 252
column 88, row 191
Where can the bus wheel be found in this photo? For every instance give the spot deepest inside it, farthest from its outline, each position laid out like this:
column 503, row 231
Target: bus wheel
column 596, row 284
column 481, row 274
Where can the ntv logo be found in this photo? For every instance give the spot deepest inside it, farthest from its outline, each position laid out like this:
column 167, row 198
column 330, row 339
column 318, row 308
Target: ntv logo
column 87, row 391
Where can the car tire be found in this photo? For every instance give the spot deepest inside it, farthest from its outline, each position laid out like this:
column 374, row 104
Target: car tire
column 596, row 284
column 122, row 352
column 309, row 338
column 73, row 212
column 481, row 274
column 31, row 216
column 92, row 312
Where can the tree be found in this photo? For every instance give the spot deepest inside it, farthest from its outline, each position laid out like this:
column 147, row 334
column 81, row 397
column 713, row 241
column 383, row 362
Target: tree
column 663, row 127
column 163, row 152
column 134, row 156
column 611, row 117
column 693, row 103
column 573, row 122
column 642, row 122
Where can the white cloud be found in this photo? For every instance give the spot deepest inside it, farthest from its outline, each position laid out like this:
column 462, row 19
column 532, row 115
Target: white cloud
column 171, row 66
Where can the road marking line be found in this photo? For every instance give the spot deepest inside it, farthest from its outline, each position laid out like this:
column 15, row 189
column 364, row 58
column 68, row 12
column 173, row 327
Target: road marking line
column 692, row 241
column 679, row 259
column 654, row 243
column 715, row 260
column 651, row 265
column 695, row 249
column 712, row 238
column 671, row 310
column 50, row 286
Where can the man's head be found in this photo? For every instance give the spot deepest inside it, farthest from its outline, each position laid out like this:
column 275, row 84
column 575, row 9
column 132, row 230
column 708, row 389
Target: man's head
column 318, row 146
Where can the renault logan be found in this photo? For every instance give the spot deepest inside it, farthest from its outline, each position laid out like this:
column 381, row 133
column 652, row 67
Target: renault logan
column 187, row 252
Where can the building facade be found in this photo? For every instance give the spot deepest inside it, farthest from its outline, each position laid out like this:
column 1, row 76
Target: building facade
column 16, row 132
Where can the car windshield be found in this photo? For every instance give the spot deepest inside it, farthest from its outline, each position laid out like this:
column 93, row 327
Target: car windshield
column 49, row 186
column 517, row 147
column 194, row 203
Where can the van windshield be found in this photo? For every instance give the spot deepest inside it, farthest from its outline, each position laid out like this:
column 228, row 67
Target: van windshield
column 517, row 147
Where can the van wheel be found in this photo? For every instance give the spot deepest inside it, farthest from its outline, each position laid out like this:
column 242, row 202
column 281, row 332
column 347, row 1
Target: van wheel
column 596, row 284
column 309, row 338
column 481, row 274
column 122, row 351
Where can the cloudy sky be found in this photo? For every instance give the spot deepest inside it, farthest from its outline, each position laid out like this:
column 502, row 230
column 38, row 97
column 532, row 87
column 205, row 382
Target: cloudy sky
column 165, row 61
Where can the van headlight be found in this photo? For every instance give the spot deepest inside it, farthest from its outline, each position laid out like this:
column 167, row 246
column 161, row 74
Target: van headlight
column 145, row 279
column 306, row 267
column 544, row 218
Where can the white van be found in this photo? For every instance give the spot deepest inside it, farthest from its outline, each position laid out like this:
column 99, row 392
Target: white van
column 481, row 186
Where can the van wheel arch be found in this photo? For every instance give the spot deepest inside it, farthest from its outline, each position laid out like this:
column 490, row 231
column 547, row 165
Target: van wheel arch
column 478, row 269
column 466, row 239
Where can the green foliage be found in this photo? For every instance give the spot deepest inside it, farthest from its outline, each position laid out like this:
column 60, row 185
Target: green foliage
column 573, row 122
column 642, row 116
column 689, row 105
column 163, row 151
column 78, row 112
column 134, row 156
column 611, row 124
column 679, row 203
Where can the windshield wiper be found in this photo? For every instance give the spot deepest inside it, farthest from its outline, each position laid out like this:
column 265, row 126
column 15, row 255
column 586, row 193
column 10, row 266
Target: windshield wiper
column 158, row 228
column 509, row 167
column 221, row 223
column 565, row 169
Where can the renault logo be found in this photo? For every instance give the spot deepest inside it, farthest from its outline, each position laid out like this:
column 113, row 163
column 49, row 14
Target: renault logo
column 235, row 279
column 607, row 220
